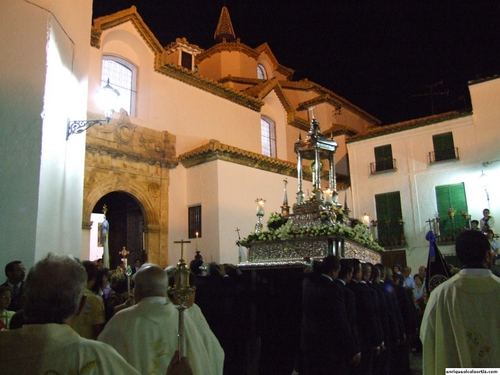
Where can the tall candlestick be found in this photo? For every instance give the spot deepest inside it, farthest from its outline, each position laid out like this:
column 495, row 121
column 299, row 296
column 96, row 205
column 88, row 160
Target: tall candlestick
column 196, row 240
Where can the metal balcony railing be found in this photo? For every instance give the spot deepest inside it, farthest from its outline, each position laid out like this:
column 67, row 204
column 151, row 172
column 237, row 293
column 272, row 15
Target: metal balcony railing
column 442, row 155
column 383, row 166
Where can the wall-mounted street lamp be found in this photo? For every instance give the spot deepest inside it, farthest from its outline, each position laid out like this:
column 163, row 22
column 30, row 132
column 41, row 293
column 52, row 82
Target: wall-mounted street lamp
column 106, row 99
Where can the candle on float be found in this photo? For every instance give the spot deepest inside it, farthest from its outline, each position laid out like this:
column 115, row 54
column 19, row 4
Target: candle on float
column 260, row 207
column 366, row 219
column 328, row 196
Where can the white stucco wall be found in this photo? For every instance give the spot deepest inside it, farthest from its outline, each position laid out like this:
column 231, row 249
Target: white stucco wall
column 416, row 180
column 227, row 194
column 43, row 75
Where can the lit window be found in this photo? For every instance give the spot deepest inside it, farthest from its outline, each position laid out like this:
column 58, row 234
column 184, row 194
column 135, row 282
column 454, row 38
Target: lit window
column 122, row 76
column 268, row 136
column 261, row 72
column 450, row 202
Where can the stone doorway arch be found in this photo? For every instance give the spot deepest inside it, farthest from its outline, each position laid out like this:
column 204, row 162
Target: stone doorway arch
column 146, row 196
column 124, row 157
column 126, row 226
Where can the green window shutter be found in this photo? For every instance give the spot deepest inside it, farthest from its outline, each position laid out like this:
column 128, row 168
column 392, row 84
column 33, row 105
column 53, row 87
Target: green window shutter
column 389, row 213
column 444, row 148
column 451, row 196
column 383, row 158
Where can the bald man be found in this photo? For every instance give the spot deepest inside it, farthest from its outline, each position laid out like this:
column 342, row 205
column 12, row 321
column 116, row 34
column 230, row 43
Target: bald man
column 146, row 333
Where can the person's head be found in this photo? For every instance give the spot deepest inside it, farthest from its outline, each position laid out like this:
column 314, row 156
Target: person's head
column 137, row 263
column 474, row 224
column 422, row 271
column 490, row 234
column 406, row 271
column 375, row 274
column 118, row 283
column 418, row 279
column 382, row 270
column 150, row 281
column 92, row 273
column 486, row 212
column 330, row 266
column 5, row 297
column 366, row 270
column 397, row 268
column 356, row 269
column 474, row 250
column 101, row 280
column 345, row 272
column 54, row 290
column 398, row 279
column 15, row 272
column 195, row 265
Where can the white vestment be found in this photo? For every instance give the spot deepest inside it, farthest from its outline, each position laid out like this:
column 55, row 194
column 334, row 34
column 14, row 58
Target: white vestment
column 146, row 336
column 57, row 349
column 461, row 323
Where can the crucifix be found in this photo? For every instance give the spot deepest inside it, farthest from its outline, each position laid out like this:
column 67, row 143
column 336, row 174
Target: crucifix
column 430, row 222
column 182, row 242
column 241, row 253
column 124, row 254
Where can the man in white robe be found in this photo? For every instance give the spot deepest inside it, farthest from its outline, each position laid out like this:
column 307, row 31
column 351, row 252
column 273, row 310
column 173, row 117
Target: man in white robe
column 461, row 322
column 146, row 333
column 46, row 344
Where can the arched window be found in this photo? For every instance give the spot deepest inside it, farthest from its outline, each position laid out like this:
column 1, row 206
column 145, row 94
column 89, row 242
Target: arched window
column 268, row 136
column 261, row 72
column 122, row 76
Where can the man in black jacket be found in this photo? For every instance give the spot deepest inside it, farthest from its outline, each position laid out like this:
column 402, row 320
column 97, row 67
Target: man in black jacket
column 327, row 342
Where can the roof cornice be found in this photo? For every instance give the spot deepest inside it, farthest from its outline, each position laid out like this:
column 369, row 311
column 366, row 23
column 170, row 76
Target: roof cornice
column 214, row 150
column 130, row 14
column 407, row 125
column 213, row 87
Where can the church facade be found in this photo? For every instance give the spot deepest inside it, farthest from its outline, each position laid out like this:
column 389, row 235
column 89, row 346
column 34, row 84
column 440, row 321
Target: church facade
column 208, row 130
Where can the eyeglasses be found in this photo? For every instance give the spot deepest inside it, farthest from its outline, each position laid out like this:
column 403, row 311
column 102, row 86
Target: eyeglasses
column 6, row 297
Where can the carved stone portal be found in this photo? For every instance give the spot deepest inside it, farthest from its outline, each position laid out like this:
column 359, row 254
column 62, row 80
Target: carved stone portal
column 124, row 157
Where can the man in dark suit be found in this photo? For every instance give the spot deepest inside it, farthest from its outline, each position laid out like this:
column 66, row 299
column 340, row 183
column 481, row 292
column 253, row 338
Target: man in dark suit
column 344, row 277
column 327, row 342
column 368, row 322
column 15, row 273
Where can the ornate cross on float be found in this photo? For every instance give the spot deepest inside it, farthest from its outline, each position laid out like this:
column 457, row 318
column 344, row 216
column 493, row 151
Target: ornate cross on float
column 315, row 148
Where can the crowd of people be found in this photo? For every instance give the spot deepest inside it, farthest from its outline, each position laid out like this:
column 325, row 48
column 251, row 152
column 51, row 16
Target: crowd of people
column 72, row 316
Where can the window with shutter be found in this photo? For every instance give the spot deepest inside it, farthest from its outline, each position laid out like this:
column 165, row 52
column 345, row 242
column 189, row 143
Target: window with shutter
column 390, row 226
column 452, row 209
column 444, row 148
column 383, row 158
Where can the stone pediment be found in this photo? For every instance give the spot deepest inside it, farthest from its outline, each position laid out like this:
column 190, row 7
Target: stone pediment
column 121, row 138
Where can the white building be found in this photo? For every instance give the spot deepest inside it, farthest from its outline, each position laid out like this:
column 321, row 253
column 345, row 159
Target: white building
column 419, row 169
column 201, row 135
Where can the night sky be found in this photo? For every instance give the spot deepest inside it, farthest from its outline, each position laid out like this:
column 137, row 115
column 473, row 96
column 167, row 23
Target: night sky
column 385, row 56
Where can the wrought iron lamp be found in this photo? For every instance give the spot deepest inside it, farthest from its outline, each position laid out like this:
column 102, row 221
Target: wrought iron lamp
column 106, row 97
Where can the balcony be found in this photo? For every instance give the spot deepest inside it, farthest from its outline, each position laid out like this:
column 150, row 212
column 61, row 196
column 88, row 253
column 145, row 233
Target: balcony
column 443, row 155
column 383, row 165
column 390, row 234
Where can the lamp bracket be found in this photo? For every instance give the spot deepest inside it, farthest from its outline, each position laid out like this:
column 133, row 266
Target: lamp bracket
column 79, row 126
